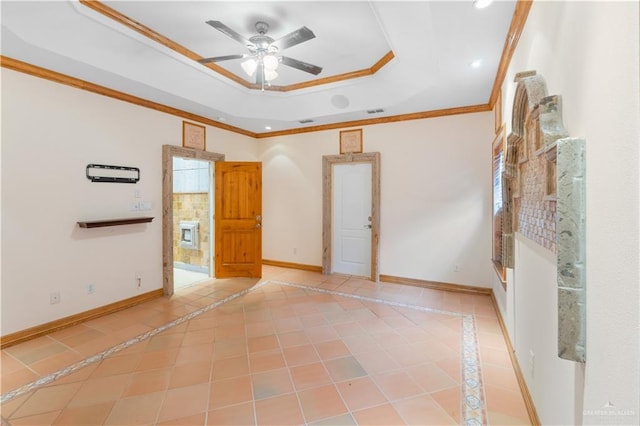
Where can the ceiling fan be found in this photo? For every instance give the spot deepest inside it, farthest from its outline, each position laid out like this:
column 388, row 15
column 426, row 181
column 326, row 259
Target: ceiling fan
column 263, row 57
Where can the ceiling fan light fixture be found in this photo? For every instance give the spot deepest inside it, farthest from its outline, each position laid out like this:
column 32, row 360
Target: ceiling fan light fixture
column 270, row 62
column 249, row 66
column 481, row 4
column 270, row 74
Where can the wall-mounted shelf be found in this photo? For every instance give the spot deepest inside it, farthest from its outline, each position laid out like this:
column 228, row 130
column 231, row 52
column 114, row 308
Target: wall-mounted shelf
column 113, row 222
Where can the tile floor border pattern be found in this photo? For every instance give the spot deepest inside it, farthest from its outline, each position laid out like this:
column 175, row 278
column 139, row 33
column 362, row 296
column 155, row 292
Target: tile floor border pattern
column 473, row 404
column 49, row 378
column 472, row 401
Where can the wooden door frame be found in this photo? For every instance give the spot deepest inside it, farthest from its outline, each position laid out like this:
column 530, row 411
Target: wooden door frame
column 168, row 152
column 328, row 161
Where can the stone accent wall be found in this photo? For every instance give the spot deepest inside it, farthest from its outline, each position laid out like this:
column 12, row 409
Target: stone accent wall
column 548, row 197
column 537, row 124
column 537, row 211
column 191, row 207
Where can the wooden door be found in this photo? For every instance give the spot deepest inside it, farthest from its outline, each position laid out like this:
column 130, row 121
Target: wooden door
column 352, row 219
column 238, row 219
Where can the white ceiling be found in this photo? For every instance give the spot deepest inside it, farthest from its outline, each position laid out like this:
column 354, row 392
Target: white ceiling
column 433, row 43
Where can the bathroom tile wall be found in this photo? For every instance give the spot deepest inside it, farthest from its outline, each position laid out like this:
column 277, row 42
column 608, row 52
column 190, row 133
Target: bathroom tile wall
column 189, row 206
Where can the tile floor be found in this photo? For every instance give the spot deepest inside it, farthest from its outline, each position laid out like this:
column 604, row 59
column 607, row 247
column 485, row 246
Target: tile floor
column 295, row 348
column 184, row 278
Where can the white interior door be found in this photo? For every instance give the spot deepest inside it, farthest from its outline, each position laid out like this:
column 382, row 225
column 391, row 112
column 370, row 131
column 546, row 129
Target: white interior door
column 352, row 219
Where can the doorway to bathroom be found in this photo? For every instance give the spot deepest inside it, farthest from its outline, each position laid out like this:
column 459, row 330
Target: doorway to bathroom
column 193, row 206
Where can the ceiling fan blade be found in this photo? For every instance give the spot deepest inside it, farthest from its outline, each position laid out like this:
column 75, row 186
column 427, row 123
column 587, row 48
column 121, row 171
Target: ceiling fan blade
column 220, row 58
column 229, row 32
column 296, row 37
column 302, row 66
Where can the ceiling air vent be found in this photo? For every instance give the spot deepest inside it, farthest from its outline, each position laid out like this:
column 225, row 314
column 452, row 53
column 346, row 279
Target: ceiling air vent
column 375, row 111
column 308, row 120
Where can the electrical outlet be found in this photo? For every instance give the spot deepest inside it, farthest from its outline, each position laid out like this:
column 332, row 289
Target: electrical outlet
column 139, row 279
column 295, row 251
column 91, row 289
column 54, row 297
column 456, row 268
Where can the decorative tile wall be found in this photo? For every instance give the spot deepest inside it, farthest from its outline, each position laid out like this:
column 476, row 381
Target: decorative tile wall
column 191, row 207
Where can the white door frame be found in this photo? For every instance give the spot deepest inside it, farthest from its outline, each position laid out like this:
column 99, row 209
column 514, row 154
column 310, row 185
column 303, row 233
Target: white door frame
column 328, row 161
column 168, row 152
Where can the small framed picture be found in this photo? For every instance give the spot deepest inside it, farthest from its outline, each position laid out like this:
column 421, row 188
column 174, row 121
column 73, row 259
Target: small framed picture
column 351, row 141
column 194, row 136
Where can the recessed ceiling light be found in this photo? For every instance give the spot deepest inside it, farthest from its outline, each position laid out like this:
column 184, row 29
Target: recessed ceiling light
column 476, row 63
column 267, row 127
column 222, row 119
column 481, row 4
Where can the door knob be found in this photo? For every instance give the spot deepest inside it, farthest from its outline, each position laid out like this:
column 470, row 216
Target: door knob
column 258, row 225
column 368, row 226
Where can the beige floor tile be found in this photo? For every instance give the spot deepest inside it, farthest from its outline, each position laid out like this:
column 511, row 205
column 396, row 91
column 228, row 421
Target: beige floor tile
column 421, row 410
column 321, row 403
column 270, row 357
column 397, row 385
column 194, row 353
column 506, row 402
column 158, row 359
column 230, row 367
column 381, row 415
column 265, row 361
column 300, row 355
column 87, row 415
column 346, row 368
column 240, row 414
column 9, row 363
column 39, row 419
column 194, row 420
column 497, row 418
column 136, row 410
column 47, row 399
column 230, row 392
column 101, row 389
column 17, row 378
column 271, row 383
column 117, row 365
column 262, row 343
column 360, row 393
column 430, row 377
column 190, row 374
column 280, row 410
column 150, row 381
column 310, row 375
column 293, row 338
column 449, row 401
column 183, row 402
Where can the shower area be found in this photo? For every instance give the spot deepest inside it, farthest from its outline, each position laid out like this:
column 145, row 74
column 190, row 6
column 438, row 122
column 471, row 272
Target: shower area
column 192, row 221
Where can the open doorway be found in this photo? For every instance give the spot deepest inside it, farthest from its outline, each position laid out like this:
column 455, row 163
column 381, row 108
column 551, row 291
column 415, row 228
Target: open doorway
column 192, row 221
column 189, row 233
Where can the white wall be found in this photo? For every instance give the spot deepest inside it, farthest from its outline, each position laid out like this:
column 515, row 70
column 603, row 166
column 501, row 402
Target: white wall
column 50, row 132
column 588, row 53
column 435, row 197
